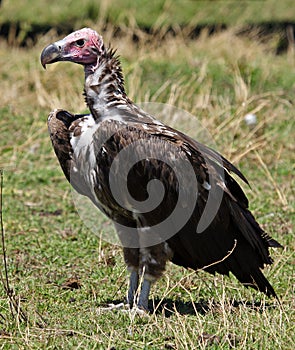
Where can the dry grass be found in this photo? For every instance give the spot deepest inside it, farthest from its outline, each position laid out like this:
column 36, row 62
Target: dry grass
column 218, row 79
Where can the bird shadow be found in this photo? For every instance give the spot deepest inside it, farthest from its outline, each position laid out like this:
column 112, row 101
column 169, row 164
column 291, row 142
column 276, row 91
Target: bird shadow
column 169, row 307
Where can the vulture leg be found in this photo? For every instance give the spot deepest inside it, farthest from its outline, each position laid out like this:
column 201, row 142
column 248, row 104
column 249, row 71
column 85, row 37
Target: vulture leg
column 133, row 285
column 135, row 304
column 143, row 299
column 138, row 301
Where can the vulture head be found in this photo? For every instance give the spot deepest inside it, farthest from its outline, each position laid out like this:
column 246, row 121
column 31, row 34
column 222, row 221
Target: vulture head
column 83, row 46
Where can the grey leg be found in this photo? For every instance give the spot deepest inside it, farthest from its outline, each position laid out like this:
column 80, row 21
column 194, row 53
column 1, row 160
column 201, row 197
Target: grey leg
column 144, row 295
column 133, row 285
column 138, row 306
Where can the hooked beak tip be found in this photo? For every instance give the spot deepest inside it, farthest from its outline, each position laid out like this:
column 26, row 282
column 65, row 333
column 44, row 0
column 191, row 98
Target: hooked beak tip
column 50, row 54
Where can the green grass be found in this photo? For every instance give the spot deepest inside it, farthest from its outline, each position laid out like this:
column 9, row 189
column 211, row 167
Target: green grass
column 155, row 13
column 218, row 79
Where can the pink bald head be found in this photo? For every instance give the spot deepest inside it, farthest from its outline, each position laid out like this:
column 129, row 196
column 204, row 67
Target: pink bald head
column 83, row 46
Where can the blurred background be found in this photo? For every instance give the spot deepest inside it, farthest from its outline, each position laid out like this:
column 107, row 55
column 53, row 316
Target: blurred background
column 228, row 63
column 23, row 22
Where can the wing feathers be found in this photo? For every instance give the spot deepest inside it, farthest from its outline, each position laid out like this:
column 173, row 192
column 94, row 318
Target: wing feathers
column 234, row 242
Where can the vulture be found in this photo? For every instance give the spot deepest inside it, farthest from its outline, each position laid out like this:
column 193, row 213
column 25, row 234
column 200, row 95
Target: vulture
column 170, row 197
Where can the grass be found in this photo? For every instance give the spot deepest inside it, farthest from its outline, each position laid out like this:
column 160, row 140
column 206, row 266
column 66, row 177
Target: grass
column 218, row 79
column 130, row 12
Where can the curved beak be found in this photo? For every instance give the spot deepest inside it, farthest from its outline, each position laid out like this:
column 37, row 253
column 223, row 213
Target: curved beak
column 52, row 53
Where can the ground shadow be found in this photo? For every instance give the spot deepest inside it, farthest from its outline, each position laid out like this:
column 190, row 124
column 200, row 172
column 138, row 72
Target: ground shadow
column 169, row 307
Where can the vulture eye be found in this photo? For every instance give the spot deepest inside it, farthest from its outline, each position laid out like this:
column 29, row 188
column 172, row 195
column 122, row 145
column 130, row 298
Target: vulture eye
column 80, row 42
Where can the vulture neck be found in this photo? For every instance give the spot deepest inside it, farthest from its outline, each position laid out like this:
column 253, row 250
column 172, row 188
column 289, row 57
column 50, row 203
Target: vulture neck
column 104, row 85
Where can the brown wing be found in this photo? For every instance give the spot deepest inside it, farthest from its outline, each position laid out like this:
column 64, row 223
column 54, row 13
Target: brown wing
column 233, row 242
column 61, row 125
